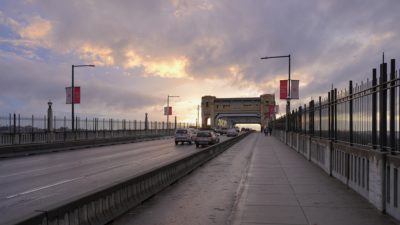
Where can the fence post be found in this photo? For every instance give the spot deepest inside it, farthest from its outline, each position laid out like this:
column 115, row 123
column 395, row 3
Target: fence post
column 33, row 130
column 351, row 112
column 320, row 117
column 335, row 112
column 392, row 105
column 383, row 107
column 374, row 110
column 311, row 118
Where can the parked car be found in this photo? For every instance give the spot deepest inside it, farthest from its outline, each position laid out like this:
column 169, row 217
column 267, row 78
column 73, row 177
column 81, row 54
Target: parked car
column 232, row 132
column 206, row 137
column 183, row 135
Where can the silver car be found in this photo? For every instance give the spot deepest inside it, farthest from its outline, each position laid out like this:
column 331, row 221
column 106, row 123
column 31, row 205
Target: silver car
column 206, row 137
column 183, row 135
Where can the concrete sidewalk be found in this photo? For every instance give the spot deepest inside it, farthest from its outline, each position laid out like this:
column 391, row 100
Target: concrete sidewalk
column 282, row 187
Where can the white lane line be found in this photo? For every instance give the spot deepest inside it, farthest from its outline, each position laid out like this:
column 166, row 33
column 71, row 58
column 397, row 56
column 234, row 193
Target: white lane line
column 41, row 188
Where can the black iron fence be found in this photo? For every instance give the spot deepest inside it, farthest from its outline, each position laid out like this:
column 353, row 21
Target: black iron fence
column 366, row 114
column 17, row 129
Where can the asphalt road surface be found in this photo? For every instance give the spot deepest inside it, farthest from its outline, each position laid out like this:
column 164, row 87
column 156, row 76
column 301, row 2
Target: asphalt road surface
column 37, row 182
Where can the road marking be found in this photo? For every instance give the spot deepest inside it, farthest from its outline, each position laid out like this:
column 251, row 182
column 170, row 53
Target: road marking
column 41, row 188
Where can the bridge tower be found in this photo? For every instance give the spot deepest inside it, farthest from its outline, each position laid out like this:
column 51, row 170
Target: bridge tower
column 257, row 110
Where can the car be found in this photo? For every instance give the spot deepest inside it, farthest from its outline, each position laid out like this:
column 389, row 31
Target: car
column 206, row 137
column 232, row 132
column 183, row 135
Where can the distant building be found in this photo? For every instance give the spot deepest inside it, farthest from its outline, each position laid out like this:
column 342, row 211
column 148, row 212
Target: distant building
column 226, row 112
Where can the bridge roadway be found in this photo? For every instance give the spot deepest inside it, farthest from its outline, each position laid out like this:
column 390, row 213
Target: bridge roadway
column 259, row 180
column 36, row 182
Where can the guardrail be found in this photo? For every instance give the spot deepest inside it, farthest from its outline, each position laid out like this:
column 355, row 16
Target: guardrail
column 118, row 138
column 101, row 206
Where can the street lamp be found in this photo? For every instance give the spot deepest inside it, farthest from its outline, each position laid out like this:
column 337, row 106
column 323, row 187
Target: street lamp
column 289, row 94
column 72, row 94
column 169, row 96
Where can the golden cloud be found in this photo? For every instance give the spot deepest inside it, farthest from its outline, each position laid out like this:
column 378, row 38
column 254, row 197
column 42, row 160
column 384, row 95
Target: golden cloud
column 38, row 29
column 102, row 56
column 169, row 68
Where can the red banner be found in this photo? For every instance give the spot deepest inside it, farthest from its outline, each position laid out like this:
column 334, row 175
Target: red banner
column 283, row 94
column 77, row 95
column 168, row 111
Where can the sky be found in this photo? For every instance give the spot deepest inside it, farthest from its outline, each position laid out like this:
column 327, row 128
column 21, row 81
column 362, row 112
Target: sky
column 145, row 50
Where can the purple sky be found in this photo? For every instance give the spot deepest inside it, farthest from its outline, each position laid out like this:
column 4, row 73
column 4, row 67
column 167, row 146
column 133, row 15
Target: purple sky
column 145, row 50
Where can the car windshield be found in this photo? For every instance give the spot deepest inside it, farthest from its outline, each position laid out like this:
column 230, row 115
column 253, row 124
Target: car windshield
column 181, row 131
column 204, row 134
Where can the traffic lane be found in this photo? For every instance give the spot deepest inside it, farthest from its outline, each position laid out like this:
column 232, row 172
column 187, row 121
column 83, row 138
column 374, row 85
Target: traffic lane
column 207, row 196
column 28, row 163
column 90, row 164
column 25, row 192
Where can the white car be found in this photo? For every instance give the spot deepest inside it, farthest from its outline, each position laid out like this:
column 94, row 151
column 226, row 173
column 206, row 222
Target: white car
column 183, row 135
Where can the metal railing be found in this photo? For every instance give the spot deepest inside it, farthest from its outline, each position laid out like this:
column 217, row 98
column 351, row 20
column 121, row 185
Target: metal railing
column 366, row 114
column 16, row 129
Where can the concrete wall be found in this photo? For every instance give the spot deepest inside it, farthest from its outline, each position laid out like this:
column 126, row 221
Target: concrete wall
column 370, row 172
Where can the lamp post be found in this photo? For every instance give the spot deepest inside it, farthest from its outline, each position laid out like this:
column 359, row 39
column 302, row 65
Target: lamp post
column 169, row 96
column 72, row 94
column 289, row 94
column 198, row 117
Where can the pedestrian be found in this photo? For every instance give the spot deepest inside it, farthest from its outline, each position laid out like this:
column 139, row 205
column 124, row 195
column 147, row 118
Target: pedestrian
column 265, row 131
column 270, row 129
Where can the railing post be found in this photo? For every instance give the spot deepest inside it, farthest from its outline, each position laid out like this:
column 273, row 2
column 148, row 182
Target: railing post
column 300, row 120
column 351, row 112
column 14, row 132
column 33, row 130
column 320, row 117
column 392, row 128
column 374, row 110
column 335, row 113
column 383, row 107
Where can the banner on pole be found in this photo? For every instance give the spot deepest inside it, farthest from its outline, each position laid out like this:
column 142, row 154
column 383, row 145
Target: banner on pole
column 294, row 86
column 167, row 111
column 283, row 93
column 294, row 89
column 77, row 95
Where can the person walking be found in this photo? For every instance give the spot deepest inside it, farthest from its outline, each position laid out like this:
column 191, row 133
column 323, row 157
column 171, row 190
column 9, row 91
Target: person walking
column 270, row 129
column 265, row 131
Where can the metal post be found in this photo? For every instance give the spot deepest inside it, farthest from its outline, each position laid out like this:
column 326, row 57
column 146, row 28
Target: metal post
column 374, row 110
column 320, row 117
column 392, row 106
column 73, row 93
column 198, row 116
column 383, row 108
column 335, row 112
column 330, row 115
column 72, row 100
column 351, row 112
column 289, row 94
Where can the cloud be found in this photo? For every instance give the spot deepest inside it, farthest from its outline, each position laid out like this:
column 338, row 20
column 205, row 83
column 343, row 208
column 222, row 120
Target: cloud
column 199, row 47
column 101, row 56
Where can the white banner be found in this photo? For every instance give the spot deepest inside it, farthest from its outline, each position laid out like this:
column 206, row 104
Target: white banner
column 294, row 89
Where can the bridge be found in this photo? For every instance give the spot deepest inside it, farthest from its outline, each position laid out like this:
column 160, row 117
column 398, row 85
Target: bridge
column 335, row 162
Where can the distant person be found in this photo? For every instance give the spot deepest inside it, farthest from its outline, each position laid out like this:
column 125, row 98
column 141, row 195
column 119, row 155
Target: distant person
column 270, row 129
column 265, row 131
